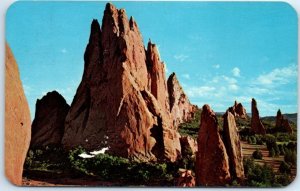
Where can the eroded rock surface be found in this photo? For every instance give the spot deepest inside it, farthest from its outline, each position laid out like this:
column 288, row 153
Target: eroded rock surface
column 17, row 121
column 122, row 100
column 212, row 165
column 256, row 125
column 180, row 107
column 48, row 123
column 238, row 110
column 233, row 147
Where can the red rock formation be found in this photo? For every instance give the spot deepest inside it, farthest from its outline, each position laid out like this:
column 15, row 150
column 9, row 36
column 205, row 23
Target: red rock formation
column 180, row 107
column 238, row 110
column 119, row 102
column 186, row 179
column 256, row 125
column 282, row 123
column 233, row 146
column 48, row 123
column 157, row 77
column 17, row 121
column 188, row 144
column 212, row 166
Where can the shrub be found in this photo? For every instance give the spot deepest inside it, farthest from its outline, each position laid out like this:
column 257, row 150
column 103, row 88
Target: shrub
column 257, row 154
column 271, row 153
column 284, row 168
column 283, row 180
column 290, row 157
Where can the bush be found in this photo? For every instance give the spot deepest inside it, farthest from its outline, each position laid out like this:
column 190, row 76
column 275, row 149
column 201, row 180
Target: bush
column 283, row 180
column 290, row 157
column 271, row 153
column 256, row 175
column 257, row 154
column 284, row 168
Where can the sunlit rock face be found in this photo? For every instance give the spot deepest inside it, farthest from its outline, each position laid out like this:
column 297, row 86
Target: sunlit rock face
column 17, row 121
column 122, row 101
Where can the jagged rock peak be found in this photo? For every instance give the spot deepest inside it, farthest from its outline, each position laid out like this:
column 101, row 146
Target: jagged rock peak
column 48, row 123
column 212, row 165
column 238, row 110
column 120, row 103
column 152, row 51
column 256, row 124
column 180, row 107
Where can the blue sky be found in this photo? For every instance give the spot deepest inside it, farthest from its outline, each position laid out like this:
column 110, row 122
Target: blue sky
column 221, row 52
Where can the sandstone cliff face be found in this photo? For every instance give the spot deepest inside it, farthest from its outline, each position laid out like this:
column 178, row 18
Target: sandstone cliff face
column 212, row 165
column 233, row 147
column 180, row 107
column 17, row 121
column 238, row 110
column 119, row 103
column 48, row 123
column 282, row 123
column 188, row 144
column 256, row 124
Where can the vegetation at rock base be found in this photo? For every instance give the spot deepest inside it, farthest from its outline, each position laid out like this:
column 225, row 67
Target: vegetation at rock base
column 191, row 128
column 56, row 162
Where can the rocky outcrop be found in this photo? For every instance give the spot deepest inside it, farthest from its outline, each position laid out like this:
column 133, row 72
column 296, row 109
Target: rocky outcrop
column 188, row 145
column 48, row 123
column 256, row 124
column 17, row 121
column 238, row 110
column 212, row 165
column 180, row 107
column 233, row 146
column 282, row 123
column 186, row 179
column 122, row 102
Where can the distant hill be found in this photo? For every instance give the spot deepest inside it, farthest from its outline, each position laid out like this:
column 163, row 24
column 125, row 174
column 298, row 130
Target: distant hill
column 290, row 116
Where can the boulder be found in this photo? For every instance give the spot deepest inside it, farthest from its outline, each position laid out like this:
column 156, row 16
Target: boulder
column 48, row 123
column 233, row 147
column 17, row 121
column 186, row 179
column 212, row 165
column 256, row 125
column 180, row 107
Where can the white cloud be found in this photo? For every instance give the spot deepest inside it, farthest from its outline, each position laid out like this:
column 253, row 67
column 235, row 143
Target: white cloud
column 186, row 76
column 201, row 91
column 181, row 57
column 236, row 72
column 216, row 66
column 233, row 87
column 278, row 76
column 64, row 51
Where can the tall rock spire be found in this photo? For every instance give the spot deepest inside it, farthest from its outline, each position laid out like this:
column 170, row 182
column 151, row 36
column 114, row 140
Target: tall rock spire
column 256, row 124
column 212, row 165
